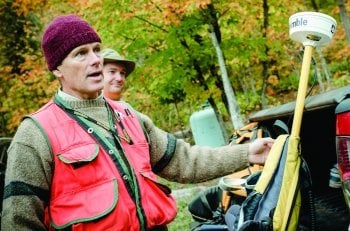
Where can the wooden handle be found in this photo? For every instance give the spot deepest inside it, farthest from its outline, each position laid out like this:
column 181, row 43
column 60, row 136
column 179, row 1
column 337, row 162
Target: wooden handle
column 303, row 83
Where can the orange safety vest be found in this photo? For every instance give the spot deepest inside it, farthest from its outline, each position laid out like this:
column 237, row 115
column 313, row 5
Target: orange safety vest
column 88, row 190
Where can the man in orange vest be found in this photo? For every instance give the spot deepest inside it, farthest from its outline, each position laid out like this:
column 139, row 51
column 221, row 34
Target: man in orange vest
column 83, row 162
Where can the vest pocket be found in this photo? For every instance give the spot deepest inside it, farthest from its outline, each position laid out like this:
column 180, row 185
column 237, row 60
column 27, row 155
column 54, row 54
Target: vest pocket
column 84, row 188
column 150, row 176
column 79, row 155
column 88, row 204
column 158, row 203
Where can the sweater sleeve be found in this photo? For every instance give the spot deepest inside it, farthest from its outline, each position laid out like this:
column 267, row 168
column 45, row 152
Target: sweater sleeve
column 187, row 163
column 27, row 180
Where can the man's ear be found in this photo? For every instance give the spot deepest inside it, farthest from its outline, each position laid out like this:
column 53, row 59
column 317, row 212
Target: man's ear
column 57, row 73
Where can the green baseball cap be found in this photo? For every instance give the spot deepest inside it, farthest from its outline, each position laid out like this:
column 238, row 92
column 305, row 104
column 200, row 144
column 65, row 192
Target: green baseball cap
column 111, row 56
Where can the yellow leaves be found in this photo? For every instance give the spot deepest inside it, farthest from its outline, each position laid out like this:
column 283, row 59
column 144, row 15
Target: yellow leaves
column 175, row 10
column 25, row 92
column 273, row 80
column 25, row 6
column 343, row 53
column 126, row 15
column 16, row 117
column 85, row 4
column 238, row 8
column 202, row 4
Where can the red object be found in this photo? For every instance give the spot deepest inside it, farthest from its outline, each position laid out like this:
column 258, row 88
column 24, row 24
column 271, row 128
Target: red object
column 89, row 190
column 343, row 144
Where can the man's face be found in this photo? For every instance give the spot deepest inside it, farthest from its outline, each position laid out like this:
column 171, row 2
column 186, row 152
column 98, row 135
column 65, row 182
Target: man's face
column 114, row 80
column 80, row 73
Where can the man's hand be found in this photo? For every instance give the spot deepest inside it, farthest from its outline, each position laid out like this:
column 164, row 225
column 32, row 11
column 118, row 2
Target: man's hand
column 259, row 150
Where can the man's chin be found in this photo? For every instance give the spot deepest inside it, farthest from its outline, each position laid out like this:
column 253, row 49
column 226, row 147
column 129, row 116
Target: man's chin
column 117, row 89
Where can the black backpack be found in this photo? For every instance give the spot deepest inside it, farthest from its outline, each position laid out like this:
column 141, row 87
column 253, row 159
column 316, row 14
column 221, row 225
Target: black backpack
column 208, row 213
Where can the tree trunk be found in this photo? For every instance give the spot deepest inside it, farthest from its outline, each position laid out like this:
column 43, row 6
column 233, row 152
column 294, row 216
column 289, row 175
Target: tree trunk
column 202, row 82
column 345, row 19
column 324, row 67
column 236, row 119
column 242, row 82
column 219, row 118
column 318, row 74
column 251, row 81
column 265, row 62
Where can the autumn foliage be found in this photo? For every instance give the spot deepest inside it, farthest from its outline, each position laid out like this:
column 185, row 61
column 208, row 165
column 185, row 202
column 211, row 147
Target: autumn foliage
column 177, row 68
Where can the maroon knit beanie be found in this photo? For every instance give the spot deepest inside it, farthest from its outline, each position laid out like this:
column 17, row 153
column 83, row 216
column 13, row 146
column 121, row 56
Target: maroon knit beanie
column 64, row 34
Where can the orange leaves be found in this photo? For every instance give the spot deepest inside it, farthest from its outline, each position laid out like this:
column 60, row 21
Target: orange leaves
column 273, row 80
column 23, row 7
column 35, row 76
column 175, row 10
column 202, row 4
column 343, row 53
column 126, row 15
column 25, row 92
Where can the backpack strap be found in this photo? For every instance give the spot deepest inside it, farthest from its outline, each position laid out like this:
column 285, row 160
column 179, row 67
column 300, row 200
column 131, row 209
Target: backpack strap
column 271, row 164
column 280, row 127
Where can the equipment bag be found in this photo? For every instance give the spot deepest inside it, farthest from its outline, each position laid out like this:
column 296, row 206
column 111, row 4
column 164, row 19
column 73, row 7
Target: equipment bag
column 279, row 196
column 254, row 130
column 281, row 199
column 206, row 209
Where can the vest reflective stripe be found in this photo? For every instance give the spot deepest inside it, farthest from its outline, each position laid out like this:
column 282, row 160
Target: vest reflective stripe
column 86, row 184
